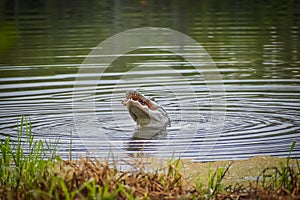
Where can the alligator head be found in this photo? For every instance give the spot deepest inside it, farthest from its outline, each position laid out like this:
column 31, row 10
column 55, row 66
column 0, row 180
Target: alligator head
column 145, row 112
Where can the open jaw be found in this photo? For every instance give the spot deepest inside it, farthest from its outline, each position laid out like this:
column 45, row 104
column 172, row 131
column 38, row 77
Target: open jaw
column 138, row 112
column 144, row 111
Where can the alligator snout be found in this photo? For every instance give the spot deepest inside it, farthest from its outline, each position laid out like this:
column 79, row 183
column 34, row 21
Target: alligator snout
column 144, row 111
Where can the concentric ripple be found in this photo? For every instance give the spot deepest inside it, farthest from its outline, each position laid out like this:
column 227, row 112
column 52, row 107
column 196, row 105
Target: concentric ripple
column 260, row 119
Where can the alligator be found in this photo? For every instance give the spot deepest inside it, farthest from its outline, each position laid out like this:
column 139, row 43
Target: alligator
column 145, row 111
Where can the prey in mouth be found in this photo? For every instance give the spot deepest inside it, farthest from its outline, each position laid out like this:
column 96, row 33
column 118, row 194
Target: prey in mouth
column 144, row 111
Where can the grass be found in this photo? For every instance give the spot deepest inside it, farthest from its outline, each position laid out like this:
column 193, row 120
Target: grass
column 23, row 162
column 30, row 169
column 284, row 179
column 215, row 178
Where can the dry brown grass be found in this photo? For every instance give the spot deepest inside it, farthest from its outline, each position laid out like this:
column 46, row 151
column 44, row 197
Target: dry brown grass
column 134, row 184
column 92, row 179
column 164, row 184
column 36, row 176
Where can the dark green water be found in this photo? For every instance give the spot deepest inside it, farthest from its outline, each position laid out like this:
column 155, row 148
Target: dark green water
column 254, row 44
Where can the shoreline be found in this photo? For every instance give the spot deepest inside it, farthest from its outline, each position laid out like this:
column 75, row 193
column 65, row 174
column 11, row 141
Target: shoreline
column 33, row 175
column 240, row 172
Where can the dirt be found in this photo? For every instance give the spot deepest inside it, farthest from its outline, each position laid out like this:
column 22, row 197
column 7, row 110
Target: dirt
column 240, row 171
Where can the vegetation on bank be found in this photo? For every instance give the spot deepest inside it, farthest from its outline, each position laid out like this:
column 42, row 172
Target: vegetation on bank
column 30, row 169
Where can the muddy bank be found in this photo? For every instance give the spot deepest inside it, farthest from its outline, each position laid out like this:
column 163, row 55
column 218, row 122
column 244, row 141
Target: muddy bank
column 240, row 171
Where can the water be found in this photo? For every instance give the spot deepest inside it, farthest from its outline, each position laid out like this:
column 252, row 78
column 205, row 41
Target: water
column 255, row 47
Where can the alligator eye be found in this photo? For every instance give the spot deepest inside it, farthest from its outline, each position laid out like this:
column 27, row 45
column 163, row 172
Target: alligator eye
column 142, row 102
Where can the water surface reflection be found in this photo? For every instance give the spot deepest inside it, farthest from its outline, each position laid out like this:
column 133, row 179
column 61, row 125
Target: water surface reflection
column 255, row 46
